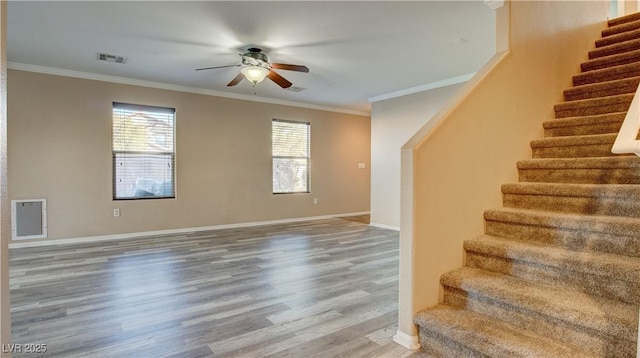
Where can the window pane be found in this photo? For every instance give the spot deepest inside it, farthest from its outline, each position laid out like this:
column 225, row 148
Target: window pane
column 143, row 151
column 290, row 139
column 142, row 131
column 143, row 175
column 290, row 175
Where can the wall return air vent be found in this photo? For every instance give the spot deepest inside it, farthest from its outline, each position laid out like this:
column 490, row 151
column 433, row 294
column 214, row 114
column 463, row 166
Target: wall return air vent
column 29, row 219
column 111, row 58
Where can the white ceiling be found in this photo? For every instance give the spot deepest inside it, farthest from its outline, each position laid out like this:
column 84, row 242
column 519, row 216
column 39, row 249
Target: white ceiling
column 355, row 50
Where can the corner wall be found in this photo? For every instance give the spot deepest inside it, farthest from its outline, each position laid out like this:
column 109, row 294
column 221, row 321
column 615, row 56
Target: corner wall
column 5, row 222
column 453, row 168
column 393, row 122
column 60, row 149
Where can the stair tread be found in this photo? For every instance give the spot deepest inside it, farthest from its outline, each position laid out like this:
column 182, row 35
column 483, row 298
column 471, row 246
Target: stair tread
column 624, row 162
column 615, row 48
column 584, row 120
column 592, row 87
column 620, row 27
column 613, row 225
column 607, row 265
column 600, row 314
column 607, row 74
column 594, row 102
column 612, row 60
column 621, row 191
column 624, row 19
column 574, row 140
column 491, row 337
column 619, row 37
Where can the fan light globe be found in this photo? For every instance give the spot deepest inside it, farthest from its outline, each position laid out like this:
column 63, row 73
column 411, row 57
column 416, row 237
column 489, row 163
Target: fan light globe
column 255, row 74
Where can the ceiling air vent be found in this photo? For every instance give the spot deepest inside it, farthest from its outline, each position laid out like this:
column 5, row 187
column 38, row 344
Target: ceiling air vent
column 111, row 58
column 295, row 89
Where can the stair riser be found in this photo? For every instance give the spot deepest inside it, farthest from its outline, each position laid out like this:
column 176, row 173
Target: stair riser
column 620, row 29
column 593, row 110
column 583, row 129
column 613, row 206
column 610, row 61
column 592, row 284
column 615, row 49
column 626, row 19
column 614, row 39
column 611, row 91
column 609, row 74
column 440, row 346
column 593, row 341
column 581, row 176
column 576, row 151
column 573, row 239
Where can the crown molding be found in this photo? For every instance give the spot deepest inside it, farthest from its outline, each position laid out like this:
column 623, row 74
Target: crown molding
column 172, row 87
column 494, row 4
column 425, row 87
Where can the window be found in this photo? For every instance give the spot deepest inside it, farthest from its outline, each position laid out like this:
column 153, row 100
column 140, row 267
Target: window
column 290, row 147
column 143, row 152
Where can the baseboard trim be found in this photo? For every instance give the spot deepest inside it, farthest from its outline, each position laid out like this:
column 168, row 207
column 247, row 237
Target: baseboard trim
column 384, row 226
column 407, row 341
column 135, row 235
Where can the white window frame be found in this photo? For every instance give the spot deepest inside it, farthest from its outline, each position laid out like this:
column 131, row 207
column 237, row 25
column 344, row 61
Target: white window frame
column 160, row 189
column 306, row 159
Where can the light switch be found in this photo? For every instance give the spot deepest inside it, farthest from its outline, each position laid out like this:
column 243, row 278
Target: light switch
column 361, row 166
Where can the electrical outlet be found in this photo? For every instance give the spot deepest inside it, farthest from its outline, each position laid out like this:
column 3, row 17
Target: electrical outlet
column 116, row 212
column 315, row 200
column 361, row 166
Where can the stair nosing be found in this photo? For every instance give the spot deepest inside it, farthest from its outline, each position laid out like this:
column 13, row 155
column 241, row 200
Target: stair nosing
column 594, row 102
column 510, row 332
column 562, row 307
column 592, row 87
column 625, row 19
column 595, row 53
column 605, row 72
column 573, row 141
column 613, row 30
column 615, row 38
column 606, row 224
column 614, row 162
column 581, row 261
column 596, row 118
column 571, row 189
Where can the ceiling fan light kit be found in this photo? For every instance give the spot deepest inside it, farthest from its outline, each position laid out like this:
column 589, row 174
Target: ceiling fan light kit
column 255, row 74
column 256, row 66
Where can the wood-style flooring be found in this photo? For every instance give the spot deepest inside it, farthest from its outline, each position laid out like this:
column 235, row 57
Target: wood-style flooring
column 325, row 288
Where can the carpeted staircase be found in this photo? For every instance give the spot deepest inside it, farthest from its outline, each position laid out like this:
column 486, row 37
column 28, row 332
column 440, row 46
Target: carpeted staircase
column 557, row 273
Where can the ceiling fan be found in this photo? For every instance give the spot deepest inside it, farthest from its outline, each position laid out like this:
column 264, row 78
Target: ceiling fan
column 256, row 66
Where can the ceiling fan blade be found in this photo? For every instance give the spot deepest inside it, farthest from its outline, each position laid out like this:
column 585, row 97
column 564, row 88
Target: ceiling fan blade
column 281, row 81
column 284, row 66
column 236, row 80
column 211, row 68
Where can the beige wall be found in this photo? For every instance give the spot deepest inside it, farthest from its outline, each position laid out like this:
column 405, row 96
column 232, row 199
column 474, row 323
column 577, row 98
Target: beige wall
column 5, row 231
column 460, row 162
column 60, row 149
column 393, row 122
column 625, row 7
